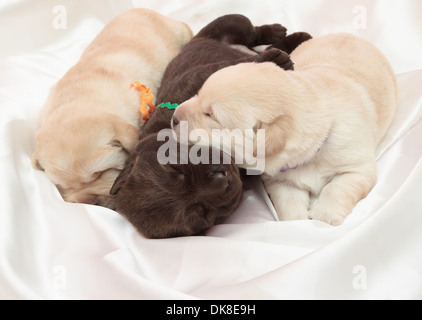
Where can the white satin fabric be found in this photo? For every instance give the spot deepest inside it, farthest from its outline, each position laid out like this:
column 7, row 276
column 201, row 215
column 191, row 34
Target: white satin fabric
column 50, row 249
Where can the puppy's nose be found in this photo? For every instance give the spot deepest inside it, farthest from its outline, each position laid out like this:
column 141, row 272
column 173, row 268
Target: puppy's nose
column 175, row 121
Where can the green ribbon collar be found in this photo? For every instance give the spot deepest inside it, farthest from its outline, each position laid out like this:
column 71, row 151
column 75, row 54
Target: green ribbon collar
column 168, row 105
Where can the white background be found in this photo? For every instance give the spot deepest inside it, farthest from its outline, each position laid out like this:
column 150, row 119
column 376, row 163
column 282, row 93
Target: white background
column 50, row 249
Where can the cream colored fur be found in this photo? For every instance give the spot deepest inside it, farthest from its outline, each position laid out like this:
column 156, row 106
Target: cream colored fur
column 91, row 119
column 326, row 118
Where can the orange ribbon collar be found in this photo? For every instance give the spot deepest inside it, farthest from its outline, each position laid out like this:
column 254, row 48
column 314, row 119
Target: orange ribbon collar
column 146, row 99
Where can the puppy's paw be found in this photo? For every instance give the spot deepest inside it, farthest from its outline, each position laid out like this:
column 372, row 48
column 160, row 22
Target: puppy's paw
column 280, row 58
column 287, row 215
column 333, row 217
column 297, row 38
column 270, row 33
column 292, row 41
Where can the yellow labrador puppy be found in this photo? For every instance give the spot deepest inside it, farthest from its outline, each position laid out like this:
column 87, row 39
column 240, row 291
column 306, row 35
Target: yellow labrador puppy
column 322, row 122
column 91, row 119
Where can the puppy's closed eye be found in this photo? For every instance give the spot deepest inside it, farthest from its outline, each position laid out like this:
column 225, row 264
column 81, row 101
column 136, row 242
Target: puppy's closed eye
column 177, row 169
column 36, row 162
column 219, row 173
column 39, row 166
column 210, row 115
column 208, row 112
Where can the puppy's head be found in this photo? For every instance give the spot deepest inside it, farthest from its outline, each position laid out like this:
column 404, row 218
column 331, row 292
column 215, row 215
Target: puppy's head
column 238, row 100
column 83, row 157
column 170, row 200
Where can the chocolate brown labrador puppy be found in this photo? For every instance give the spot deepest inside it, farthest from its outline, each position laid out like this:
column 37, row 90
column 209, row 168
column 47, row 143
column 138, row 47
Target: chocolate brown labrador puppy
column 163, row 195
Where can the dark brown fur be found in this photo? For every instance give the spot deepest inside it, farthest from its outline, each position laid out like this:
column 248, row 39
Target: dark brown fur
column 169, row 200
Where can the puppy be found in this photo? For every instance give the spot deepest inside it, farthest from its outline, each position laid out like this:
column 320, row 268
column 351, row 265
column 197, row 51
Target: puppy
column 91, row 119
column 168, row 197
column 322, row 122
column 165, row 200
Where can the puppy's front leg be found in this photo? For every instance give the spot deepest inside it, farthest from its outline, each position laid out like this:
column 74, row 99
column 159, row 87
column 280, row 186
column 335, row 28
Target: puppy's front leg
column 290, row 202
column 339, row 197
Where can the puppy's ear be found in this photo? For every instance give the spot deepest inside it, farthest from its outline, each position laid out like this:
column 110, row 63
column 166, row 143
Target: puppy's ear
column 276, row 133
column 126, row 135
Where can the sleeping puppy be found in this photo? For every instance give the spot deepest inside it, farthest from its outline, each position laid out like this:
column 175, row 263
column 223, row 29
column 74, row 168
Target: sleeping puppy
column 322, row 122
column 168, row 197
column 91, row 119
column 165, row 200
